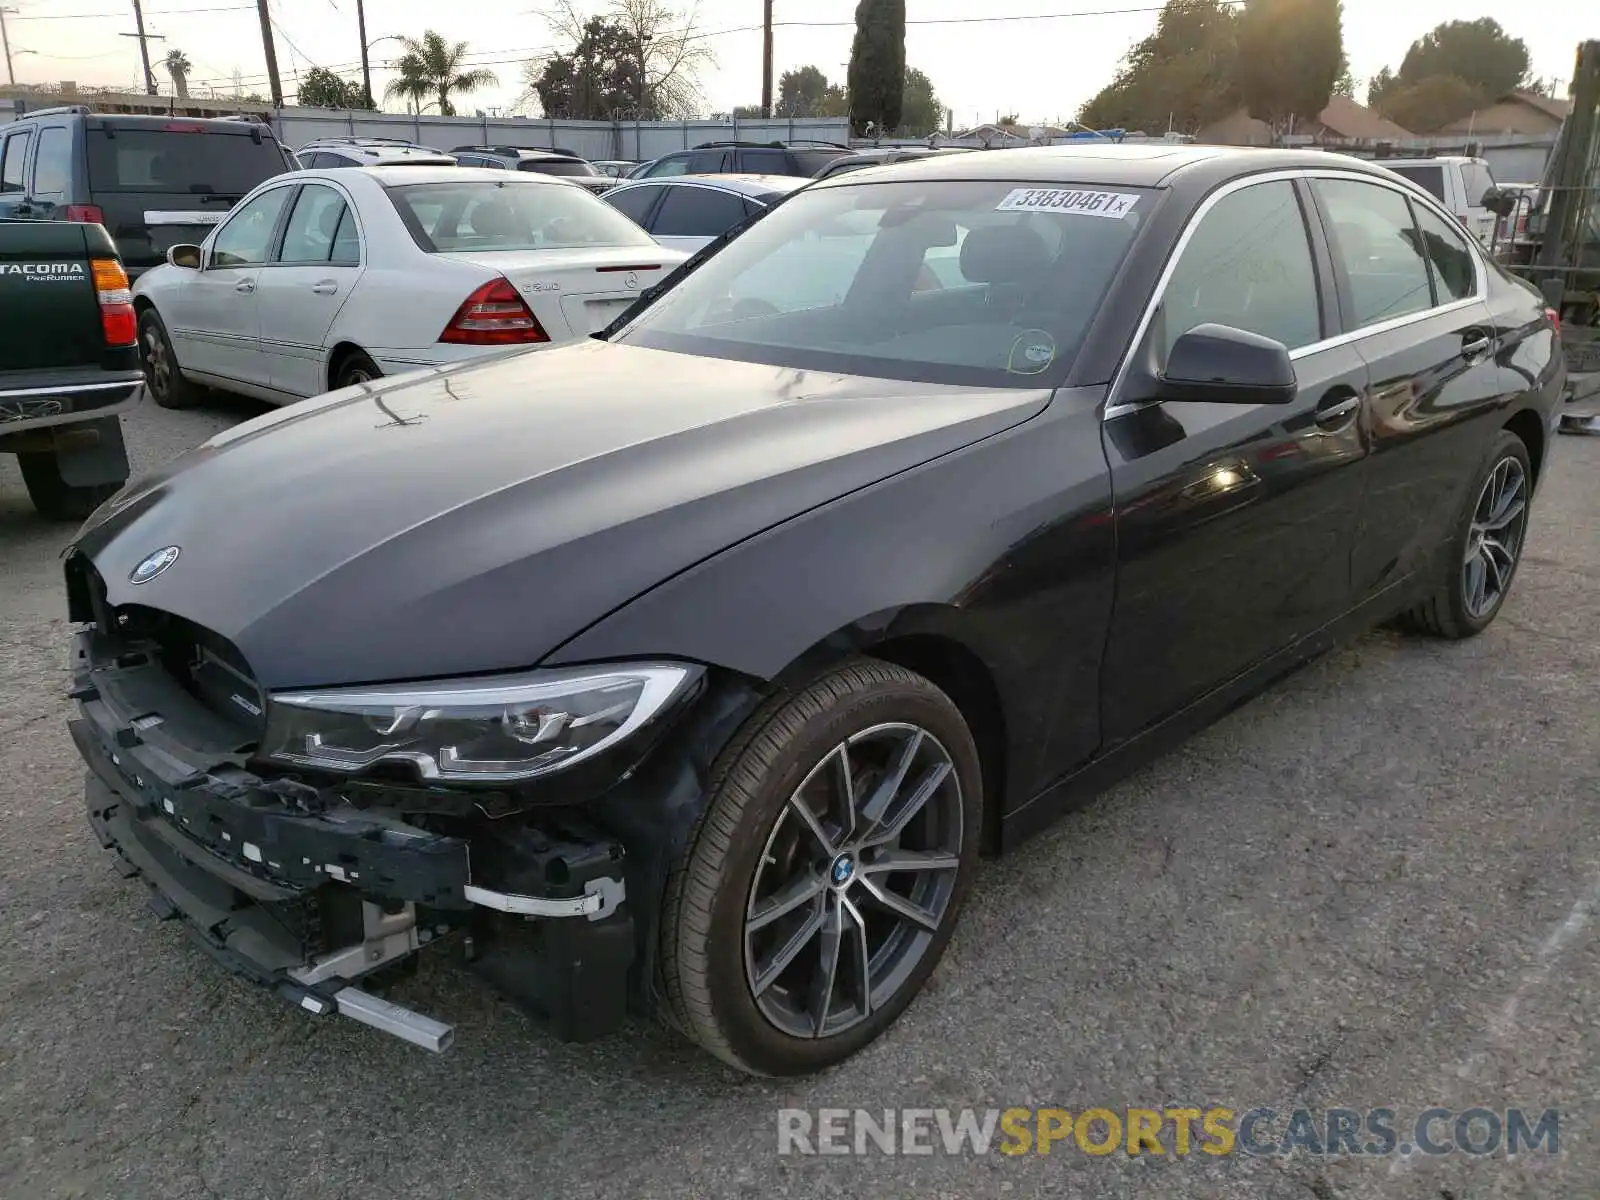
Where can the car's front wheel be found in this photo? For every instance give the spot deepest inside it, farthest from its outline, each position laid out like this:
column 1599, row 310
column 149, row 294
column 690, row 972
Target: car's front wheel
column 824, row 878
column 163, row 377
column 1485, row 550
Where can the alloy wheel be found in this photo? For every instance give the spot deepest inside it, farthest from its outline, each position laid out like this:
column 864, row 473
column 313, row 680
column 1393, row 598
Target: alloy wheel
column 157, row 362
column 854, row 881
column 1494, row 540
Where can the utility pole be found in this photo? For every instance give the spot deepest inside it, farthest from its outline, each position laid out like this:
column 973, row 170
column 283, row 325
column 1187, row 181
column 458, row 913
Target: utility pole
column 366, row 69
column 767, row 58
column 271, row 53
column 144, row 47
column 6, row 38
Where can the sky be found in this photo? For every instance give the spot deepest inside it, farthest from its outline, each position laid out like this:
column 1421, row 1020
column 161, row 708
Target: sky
column 1036, row 62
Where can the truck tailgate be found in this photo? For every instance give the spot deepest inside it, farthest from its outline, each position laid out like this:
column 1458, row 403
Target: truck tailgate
column 49, row 311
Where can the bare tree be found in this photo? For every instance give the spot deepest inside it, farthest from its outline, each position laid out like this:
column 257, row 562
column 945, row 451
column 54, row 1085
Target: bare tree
column 668, row 41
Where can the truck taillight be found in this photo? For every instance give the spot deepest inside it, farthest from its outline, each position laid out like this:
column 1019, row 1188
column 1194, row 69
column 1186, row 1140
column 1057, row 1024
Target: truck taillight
column 92, row 213
column 1554, row 317
column 494, row 315
column 111, row 289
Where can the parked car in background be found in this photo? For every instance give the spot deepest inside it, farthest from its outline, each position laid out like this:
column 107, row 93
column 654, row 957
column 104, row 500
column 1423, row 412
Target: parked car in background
column 615, row 168
column 69, row 362
column 153, row 182
column 322, row 279
column 804, row 159
column 325, row 154
column 694, row 666
column 687, row 211
column 881, row 156
column 563, row 164
column 1460, row 184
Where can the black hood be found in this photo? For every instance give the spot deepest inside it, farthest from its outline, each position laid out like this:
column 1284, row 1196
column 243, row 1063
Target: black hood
column 472, row 520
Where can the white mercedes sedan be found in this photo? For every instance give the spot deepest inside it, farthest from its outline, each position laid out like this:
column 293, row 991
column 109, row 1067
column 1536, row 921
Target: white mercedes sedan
column 326, row 278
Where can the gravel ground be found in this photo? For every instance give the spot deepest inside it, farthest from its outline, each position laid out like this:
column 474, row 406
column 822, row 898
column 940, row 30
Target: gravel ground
column 1369, row 888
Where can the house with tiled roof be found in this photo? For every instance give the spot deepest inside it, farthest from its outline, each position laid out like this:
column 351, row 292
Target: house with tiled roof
column 1343, row 118
column 1515, row 112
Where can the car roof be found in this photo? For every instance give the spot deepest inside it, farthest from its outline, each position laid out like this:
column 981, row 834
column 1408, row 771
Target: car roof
column 391, row 175
column 1137, row 165
column 380, row 154
column 745, row 185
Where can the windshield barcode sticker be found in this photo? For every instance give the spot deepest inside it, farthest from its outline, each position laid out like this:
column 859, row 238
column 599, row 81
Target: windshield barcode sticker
column 1115, row 205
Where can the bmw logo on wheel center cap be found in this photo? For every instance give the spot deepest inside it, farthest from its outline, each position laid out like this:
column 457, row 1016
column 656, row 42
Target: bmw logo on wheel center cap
column 153, row 564
column 843, row 869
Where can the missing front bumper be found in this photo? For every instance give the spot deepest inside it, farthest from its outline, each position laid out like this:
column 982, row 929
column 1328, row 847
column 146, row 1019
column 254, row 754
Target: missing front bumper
column 307, row 903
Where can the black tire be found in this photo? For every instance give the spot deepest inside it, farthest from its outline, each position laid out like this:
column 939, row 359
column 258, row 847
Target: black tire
column 163, row 378
column 1455, row 610
column 355, row 367
column 53, row 497
column 711, row 890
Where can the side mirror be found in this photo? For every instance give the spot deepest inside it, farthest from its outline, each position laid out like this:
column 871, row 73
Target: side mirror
column 1500, row 203
column 185, row 256
column 1218, row 364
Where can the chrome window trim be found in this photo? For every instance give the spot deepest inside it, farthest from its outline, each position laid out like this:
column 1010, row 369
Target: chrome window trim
column 1406, row 189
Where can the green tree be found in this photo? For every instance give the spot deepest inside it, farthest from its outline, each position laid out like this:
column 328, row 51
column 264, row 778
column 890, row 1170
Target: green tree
column 665, row 41
column 1478, row 52
column 1428, row 104
column 920, row 110
column 321, row 88
column 432, row 70
column 601, row 80
column 178, row 66
column 800, row 92
column 747, row 112
column 1291, row 53
column 1181, row 76
column 835, row 102
column 877, row 77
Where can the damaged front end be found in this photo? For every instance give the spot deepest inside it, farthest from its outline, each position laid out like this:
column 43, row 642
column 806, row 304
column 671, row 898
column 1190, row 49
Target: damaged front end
column 311, row 883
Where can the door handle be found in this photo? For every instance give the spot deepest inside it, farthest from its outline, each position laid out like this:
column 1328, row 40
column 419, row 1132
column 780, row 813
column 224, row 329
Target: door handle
column 245, row 286
column 325, row 287
column 1475, row 344
column 1335, row 407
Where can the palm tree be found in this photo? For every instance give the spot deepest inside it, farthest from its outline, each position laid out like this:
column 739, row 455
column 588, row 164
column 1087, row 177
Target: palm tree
column 179, row 66
column 431, row 69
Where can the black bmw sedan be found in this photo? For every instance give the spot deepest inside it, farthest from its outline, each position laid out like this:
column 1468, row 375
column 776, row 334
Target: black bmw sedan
column 690, row 669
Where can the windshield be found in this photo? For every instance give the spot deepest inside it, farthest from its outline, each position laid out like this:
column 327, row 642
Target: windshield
column 510, row 215
column 182, row 159
column 986, row 283
column 566, row 166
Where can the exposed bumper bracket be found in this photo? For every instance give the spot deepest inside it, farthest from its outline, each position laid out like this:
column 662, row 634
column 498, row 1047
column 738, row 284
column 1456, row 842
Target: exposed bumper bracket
column 599, row 900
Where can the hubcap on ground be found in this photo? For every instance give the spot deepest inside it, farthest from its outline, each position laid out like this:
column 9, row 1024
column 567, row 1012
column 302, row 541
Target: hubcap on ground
column 1494, row 540
column 854, row 881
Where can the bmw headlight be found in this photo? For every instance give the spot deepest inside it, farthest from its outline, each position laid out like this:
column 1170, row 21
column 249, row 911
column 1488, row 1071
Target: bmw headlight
column 493, row 730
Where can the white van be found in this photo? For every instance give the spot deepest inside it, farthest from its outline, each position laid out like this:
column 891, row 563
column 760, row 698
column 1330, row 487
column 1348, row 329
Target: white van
column 1457, row 183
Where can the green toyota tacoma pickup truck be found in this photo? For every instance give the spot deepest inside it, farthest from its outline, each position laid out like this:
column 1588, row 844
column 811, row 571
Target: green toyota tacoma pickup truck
column 69, row 362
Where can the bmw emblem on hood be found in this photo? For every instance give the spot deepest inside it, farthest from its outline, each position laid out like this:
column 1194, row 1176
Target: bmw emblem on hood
column 153, row 564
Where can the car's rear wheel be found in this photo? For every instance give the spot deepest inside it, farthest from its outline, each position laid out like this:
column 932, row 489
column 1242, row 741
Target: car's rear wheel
column 354, row 368
column 53, row 497
column 824, row 878
column 163, row 377
column 1481, row 560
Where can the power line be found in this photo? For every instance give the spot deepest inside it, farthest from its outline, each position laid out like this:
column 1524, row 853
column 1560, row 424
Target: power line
column 155, row 12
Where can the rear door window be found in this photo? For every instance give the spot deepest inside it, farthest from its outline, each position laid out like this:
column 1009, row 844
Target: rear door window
column 313, row 227
column 52, row 164
column 634, row 203
column 180, row 159
column 1381, row 248
column 1429, row 179
column 764, row 162
column 690, row 211
column 809, row 162
column 708, row 162
column 16, row 154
